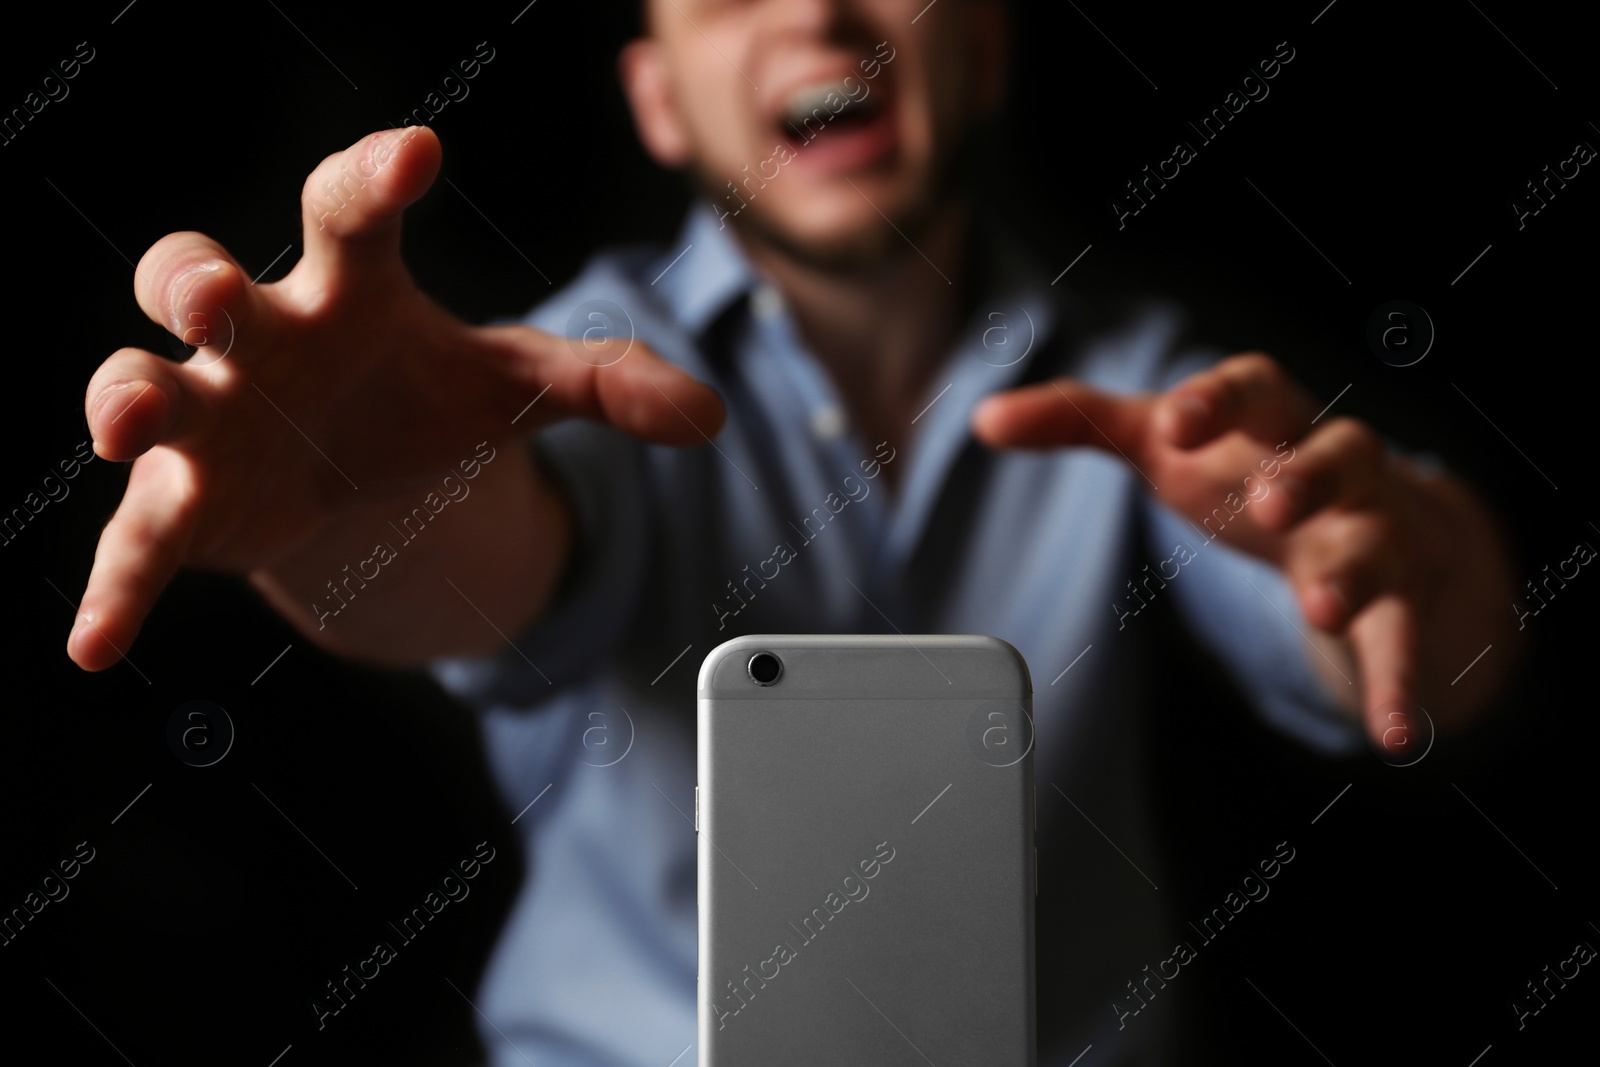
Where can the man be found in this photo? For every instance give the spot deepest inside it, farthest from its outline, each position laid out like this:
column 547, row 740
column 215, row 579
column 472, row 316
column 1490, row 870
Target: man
column 878, row 458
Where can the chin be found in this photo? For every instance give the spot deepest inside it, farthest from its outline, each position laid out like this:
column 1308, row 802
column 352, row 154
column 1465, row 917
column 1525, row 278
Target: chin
column 838, row 231
column 858, row 246
column 826, row 225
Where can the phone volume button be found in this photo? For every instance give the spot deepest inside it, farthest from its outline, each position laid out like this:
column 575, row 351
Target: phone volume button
column 697, row 809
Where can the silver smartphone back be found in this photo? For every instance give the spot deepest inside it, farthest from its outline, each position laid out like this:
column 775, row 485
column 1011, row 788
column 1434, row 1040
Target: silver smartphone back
column 865, row 811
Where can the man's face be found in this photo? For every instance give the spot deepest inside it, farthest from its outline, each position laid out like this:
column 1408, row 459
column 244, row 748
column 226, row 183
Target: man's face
column 818, row 126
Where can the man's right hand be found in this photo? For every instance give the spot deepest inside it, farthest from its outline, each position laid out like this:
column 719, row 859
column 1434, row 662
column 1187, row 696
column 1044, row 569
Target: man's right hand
column 315, row 403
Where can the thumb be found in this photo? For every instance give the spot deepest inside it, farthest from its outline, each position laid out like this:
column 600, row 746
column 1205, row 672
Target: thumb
column 616, row 380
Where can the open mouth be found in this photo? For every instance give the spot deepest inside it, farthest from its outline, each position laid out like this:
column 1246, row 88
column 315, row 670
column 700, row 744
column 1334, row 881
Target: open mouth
column 832, row 110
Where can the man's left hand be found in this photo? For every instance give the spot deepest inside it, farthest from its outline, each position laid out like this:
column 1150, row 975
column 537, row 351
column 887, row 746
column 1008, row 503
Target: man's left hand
column 1405, row 567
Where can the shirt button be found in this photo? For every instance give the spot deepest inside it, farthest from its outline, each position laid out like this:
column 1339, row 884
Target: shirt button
column 766, row 302
column 828, row 422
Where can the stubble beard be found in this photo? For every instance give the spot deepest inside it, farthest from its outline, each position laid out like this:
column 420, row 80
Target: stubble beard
column 862, row 251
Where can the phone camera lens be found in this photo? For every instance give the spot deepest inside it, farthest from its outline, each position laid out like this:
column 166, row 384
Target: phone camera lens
column 765, row 668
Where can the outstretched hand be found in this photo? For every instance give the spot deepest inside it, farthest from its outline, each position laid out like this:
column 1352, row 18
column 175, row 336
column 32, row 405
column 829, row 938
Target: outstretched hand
column 1407, row 567
column 314, row 396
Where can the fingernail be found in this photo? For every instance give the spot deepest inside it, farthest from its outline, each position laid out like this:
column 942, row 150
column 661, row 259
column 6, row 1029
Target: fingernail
column 182, row 287
column 106, row 394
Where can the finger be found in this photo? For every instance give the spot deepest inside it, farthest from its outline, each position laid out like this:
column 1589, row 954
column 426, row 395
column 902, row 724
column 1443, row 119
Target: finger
column 352, row 203
column 1250, row 394
column 1340, row 562
column 1386, row 646
column 135, row 401
column 617, row 380
column 193, row 288
column 1064, row 412
column 140, row 550
column 1338, row 465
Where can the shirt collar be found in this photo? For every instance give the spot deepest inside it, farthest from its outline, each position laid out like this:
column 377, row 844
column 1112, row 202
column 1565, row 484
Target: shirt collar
column 705, row 271
column 710, row 274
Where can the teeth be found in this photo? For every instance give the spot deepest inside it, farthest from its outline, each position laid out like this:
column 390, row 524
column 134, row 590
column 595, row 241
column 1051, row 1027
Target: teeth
column 811, row 101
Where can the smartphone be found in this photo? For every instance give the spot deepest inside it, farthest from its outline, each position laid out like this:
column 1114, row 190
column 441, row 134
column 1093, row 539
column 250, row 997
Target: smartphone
column 865, row 809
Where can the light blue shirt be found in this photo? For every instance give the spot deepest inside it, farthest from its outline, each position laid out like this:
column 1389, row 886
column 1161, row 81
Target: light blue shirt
column 589, row 722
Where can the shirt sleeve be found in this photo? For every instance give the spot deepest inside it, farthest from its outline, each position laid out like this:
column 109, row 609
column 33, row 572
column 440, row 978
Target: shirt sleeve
column 1244, row 611
column 601, row 473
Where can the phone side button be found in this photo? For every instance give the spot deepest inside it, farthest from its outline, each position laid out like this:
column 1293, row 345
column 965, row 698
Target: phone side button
column 1035, row 870
column 697, row 813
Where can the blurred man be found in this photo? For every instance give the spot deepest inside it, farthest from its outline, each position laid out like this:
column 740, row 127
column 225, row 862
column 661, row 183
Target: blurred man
column 879, row 458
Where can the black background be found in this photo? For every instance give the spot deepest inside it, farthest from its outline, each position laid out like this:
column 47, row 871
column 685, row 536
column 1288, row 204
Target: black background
column 1395, row 141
